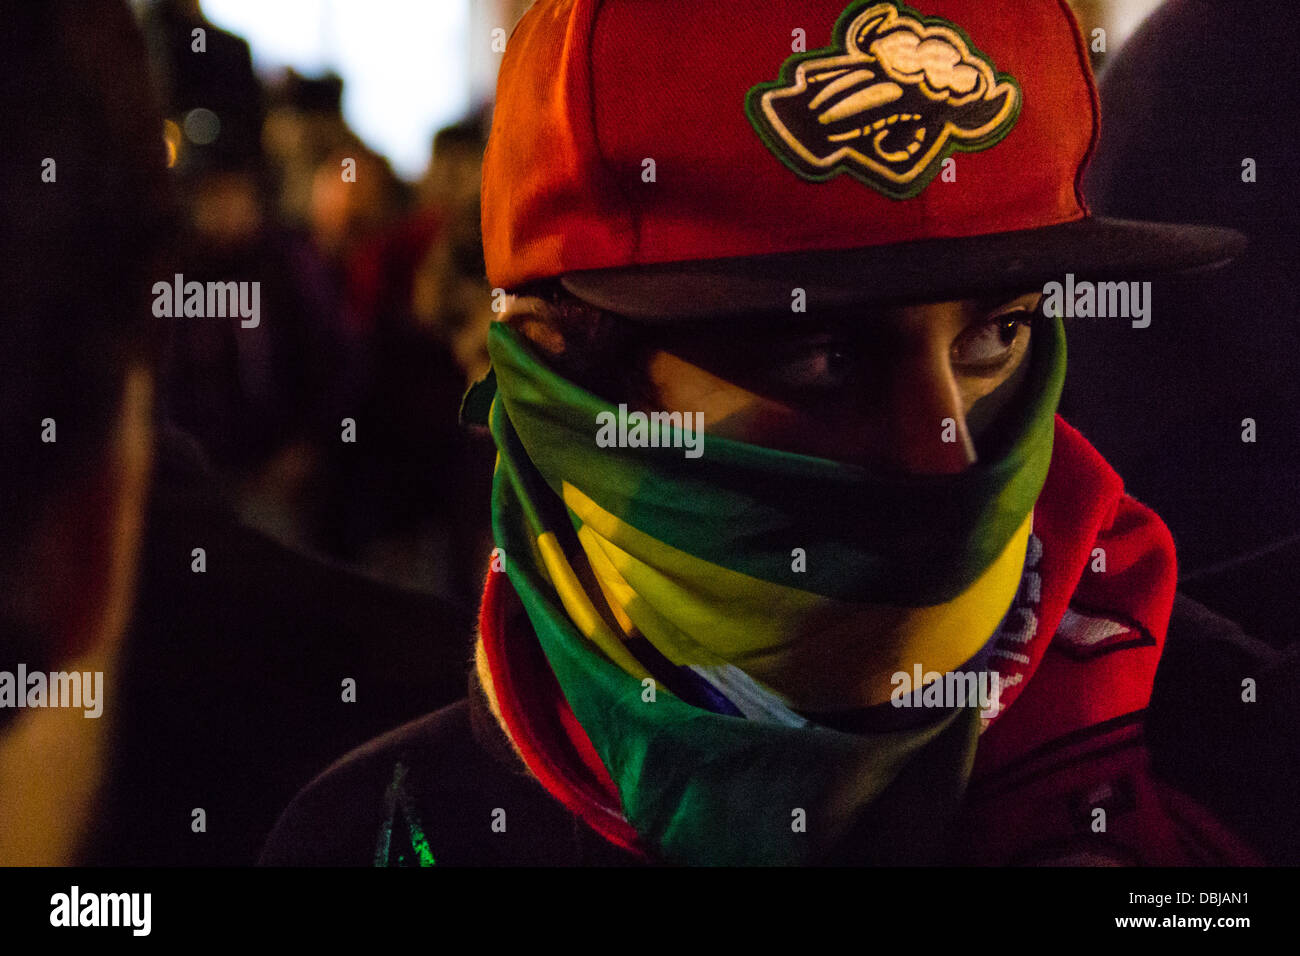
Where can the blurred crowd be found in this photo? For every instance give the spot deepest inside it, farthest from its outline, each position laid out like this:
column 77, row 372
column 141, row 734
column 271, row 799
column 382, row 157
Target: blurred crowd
column 375, row 310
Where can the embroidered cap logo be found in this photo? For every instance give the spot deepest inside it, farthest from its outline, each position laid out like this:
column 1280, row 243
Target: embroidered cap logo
column 895, row 96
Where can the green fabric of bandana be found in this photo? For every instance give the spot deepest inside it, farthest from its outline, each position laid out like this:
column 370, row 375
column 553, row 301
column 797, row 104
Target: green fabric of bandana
column 705, row 774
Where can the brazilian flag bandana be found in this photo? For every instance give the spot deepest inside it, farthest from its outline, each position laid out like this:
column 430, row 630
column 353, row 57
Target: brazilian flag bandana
column 699, row 613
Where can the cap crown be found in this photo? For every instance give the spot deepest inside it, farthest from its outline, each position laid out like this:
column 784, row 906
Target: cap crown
column 632, row 132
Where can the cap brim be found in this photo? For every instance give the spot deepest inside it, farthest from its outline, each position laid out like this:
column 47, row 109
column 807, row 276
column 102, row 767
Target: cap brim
column 930, row 270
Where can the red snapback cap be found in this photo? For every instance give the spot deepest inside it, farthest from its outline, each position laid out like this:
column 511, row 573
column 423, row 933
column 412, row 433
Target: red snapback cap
column 680, row 159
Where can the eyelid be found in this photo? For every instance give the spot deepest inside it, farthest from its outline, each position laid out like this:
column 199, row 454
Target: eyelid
column 1011, row 308
column 802, row 349
column 1022, row 313
column 993, row 364
column 1022, row 304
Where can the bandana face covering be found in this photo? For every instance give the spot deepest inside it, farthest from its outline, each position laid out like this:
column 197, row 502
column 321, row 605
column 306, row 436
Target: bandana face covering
column 690, row 607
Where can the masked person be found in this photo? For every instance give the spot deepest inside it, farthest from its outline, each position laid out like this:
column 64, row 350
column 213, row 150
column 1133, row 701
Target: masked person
column 795, row 562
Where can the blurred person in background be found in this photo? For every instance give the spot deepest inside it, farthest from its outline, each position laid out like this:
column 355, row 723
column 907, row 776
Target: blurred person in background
column 259, row 400
column 77, row 380
column 304, row 125
column 451, row 299
column 355, row 199
column 449, row 293
column 407, row 501
column 108, row 507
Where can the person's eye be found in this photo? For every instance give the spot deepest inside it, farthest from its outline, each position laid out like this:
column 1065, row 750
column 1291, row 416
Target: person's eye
column 813, row 365
column 990, row 344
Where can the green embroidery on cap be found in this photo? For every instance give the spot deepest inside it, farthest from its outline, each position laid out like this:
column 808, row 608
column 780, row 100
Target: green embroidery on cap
column 896, row 95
